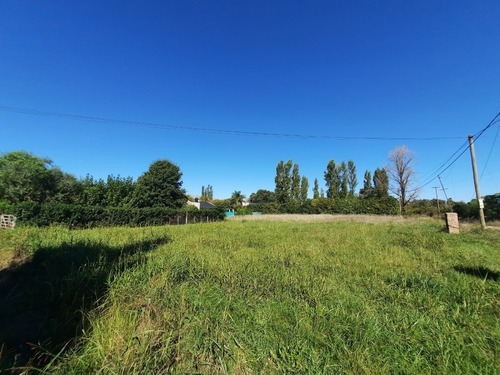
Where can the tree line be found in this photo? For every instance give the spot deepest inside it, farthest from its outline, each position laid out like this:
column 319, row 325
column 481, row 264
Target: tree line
column 28, row 178
column 340, row 181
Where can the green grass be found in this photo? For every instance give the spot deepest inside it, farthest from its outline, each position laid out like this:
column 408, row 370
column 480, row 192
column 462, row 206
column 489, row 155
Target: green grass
column 257, row 298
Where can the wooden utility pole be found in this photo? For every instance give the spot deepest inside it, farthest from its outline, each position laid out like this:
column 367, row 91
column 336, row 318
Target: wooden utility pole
column 437, row 199
column 476, row 181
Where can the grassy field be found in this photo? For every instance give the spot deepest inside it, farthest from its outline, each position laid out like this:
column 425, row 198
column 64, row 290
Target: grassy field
column 252, row 297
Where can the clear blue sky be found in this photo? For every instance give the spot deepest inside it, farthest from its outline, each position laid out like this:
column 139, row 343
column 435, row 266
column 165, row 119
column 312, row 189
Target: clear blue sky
column 325, row 68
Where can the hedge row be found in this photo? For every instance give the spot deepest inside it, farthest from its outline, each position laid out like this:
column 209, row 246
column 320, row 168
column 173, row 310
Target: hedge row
column 382, row 206
column 31, row 213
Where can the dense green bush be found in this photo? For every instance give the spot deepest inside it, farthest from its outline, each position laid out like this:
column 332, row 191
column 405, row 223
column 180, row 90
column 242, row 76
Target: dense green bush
column 467, row 210
column 428, row 207
column 381, row 206
column 31, row 213
column 492, row 206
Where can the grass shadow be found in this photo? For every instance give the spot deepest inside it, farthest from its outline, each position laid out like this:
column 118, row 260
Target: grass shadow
column 44, row 301
column 480, row 272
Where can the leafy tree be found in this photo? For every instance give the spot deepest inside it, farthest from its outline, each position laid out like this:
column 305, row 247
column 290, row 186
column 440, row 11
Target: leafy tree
column 263, row 196
column 119, row 191
column 25, row 177
column 283, row 181
column 322, row 193
column 332, row 179
column 93, row 192
column 367, row 190
column 304, row 188
column 316, row 189
column 343, row 174
column 207, row 193
column 492, row 206
column 210, row 192
column 401, row 170
column 467, row 210
column 381, row 183
column 237, row 198
column 68, row 189
column 160, row 186
column 295, row 188
column 352, row 181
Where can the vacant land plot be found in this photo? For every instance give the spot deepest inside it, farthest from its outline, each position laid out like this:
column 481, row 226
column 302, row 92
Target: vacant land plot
column 253, row 297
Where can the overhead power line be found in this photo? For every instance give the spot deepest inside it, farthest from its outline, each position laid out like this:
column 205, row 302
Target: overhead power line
column 461, row 150
column 94, row 119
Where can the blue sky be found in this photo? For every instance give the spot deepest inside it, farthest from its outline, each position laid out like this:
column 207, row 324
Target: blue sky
column 387, row 69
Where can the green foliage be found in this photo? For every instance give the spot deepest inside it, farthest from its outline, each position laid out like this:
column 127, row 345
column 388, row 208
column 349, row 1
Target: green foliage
column 27, row 178
column 262, row 196
column 69, row 190
column 257, row 298
column 207, row 193
column 470, row 210
column 5, row 207
column 344, row 178
column 237, row 198
column 332, row 179
column 304, row 188
column 119, row 191
column 340, row 179
column 492, row 206
column 93, row 192
column 427, row 207
column 283, row 181
column 316, row 189
column 223, row 204
column 384, row 206
column 367, row 190
column 32, row 213
column 160, row 186
column 380, row 183
column 295, row 187
column 352, row 181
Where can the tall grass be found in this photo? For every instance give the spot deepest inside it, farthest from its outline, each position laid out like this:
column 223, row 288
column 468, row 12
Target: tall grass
column 287, row 297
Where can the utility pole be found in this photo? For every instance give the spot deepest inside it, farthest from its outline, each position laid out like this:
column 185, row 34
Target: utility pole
column 437, row 199
column 444, row 190
column 476, row 181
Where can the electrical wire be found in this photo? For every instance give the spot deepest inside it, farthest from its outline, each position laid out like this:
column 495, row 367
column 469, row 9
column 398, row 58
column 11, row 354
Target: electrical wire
column 489, row 154
column 211, row 130
column 441, row 171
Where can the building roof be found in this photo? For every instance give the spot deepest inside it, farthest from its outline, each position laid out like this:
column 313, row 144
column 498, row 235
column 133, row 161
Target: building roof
column 206, row 205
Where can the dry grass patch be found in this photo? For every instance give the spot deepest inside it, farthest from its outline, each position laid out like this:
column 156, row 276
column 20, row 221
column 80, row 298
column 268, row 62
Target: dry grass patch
column 326, row 218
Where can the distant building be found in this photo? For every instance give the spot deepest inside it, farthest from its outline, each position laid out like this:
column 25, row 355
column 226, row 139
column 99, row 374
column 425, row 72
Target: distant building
column 199, row 205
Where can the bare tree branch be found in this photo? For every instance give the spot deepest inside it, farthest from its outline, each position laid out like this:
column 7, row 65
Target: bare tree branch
column 401, row 171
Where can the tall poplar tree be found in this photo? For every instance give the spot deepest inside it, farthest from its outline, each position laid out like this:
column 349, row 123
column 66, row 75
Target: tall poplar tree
column 332, row 179
column 295, row 188
column 304, row 188
column 381, row 183
column 343, row 174
column 283, row 181
column 316, row 189
column 367, row 190
column 352, row 181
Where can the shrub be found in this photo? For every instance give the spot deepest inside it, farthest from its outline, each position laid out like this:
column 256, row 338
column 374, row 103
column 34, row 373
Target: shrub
column 381, row 206
column 31, row 213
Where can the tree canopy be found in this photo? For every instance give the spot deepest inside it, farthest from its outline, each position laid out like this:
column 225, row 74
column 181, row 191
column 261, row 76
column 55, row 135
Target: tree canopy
column 263, row 196
column 25, row 177
column 160, row 186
